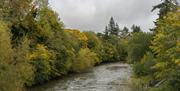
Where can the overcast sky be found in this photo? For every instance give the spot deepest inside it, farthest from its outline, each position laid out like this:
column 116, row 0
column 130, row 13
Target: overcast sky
column 95, row 14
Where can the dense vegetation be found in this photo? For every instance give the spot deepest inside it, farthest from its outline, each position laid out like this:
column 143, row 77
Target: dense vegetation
column 156, row 65
column 35, row 47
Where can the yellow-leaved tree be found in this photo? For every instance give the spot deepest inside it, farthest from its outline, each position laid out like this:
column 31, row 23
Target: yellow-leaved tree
column 43, row 61
column 82, row 38
column 166, row 46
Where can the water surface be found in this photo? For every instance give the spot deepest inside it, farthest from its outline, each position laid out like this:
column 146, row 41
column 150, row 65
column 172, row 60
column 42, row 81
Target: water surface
column 106, row 77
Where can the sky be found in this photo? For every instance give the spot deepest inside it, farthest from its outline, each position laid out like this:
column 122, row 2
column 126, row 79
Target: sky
column 94, row 15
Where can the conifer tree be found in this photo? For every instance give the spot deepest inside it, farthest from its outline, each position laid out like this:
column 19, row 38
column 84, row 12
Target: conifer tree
column 112, row 28
column 136, row 28
column 165, row 7
column 106, row 32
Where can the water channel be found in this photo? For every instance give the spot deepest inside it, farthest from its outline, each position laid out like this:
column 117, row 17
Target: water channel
column 106, row 77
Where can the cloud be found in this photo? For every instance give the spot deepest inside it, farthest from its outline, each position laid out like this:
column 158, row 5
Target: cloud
column 94, row 14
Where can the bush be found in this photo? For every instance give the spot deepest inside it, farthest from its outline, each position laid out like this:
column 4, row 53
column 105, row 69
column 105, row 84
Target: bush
column 145, row 66
column 22, row 62
column 122, row 50
column 137, row 84
column 110, row 53
column 94, row 44
column 79, row 36
column 164, row 87
column 85, row 60
column 43, row 61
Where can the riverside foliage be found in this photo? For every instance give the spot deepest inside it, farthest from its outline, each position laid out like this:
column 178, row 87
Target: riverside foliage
column 35, row 47
column 158, row 68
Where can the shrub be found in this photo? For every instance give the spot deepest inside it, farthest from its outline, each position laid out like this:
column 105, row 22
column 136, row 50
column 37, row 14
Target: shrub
column 122, row 50
column 94, row 44
column 109, row 53
column 22, row 62
column 85, row 59
column 43, row 61
column 145, row 66
column 136, row 84
column 80, row 36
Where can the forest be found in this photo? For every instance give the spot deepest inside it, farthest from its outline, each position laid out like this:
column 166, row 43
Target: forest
column 35, row 47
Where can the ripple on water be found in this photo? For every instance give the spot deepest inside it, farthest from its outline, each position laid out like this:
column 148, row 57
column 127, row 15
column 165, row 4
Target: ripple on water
column 108, row 77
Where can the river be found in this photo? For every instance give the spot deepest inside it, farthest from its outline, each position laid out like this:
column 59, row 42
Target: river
column 106, row 77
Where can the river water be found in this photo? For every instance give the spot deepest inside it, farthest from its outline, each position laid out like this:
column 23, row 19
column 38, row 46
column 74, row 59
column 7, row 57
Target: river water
column 106, row 77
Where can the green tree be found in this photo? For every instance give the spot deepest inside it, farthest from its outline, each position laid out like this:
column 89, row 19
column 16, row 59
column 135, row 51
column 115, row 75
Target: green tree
column 14, row 64
column 22, row 62
column 165, row 46
column 136, row 29
column 5, row 43
column 106, row 33
column 94, row 44
column 145, row 66
column 84, row 60
column 138, row 45
column 14, row 10
column 64, row 49
column 43, row 61
column 112, row 28
column 93, row 41
column 165, row 7
column 9, row 79
column 109, row 52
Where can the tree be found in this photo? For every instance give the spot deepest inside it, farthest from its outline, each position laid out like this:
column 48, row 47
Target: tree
column 109, row 52
column 14, row 12
column 9, row 77
column 93, row 41
column 145, row 66
column 94, row 44
column 138, row 45
column 106, row 33
column 117, row 30
column 136, row 28
column 43, row 61
column 80, row 36
column 22, row 62
column 48, row 23
column 85, row 59
column 112, row 28
column 14, row 64
column 40, row 4
column 165, row 7
column 165, row 46
column 5, row 43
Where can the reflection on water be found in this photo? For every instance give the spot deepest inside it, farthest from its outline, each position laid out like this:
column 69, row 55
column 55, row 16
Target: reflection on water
column 107, row 77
